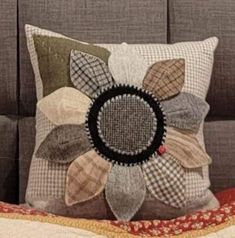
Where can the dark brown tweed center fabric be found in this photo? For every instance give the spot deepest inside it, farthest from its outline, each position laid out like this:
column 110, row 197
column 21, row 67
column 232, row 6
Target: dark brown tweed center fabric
column 127, row 124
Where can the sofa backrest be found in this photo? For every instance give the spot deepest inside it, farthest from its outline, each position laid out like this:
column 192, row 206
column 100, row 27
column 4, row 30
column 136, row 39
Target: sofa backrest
column 133, row 21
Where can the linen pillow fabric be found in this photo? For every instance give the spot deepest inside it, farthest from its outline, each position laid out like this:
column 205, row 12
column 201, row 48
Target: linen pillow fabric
column 86, row 143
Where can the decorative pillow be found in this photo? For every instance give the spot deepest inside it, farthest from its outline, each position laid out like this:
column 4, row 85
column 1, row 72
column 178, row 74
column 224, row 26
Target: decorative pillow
column 117, row 131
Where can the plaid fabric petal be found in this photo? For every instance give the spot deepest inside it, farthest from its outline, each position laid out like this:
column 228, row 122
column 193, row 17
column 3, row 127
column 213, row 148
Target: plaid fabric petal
column 165, row 78
column 65, row 106
column 125, row 191
column 185, row 147
column 165, row 180
column 88, row 73
column 185, row 111
column 86, row 178
column 64, row 143
column 127, row 66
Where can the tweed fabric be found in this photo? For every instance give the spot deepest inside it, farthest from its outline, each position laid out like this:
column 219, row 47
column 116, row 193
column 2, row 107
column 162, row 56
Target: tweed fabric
column 65, row 106
column 165, row 179
column 127, row 66
column 86, row 178
column 53, row 58
column 125, row 191
column 89, row 74
column 89, row 21
column 127, row 124
column 64, row 143
column 185, row 148
column 8, row 57
column 185, row 111
column 198, row 56
column 165, row 78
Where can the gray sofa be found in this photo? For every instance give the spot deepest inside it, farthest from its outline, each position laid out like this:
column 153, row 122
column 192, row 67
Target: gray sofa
column 112, row 21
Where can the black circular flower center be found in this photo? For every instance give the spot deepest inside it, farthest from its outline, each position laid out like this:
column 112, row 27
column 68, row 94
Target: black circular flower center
column 126, row 125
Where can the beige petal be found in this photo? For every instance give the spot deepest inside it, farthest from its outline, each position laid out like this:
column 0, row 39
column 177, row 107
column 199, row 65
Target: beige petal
column 127, row 66
column 86, row 178
column 65, row 106
column 184, row 146
column 165, row 78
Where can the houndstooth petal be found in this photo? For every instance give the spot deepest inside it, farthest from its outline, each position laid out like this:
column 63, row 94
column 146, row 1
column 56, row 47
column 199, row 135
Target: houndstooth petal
column 127, row 66
column 64, row 144
column 125, row 191
column 185, row 111
column 65, row 106
column 165, row 79
column 88, row 73
column 165, row 180
column 86, row 178
column 184, row 147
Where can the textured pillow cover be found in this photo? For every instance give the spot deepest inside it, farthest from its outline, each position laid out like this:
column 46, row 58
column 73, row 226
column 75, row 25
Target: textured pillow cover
column 89, row 159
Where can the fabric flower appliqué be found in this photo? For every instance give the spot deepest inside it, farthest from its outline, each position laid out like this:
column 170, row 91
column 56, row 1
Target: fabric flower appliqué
column 124, row 128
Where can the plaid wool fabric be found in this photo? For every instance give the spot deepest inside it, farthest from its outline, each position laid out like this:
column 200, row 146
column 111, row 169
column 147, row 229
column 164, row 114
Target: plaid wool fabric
column 165, row 78
column 165, row 179
column 86, row 178
column 88, row 73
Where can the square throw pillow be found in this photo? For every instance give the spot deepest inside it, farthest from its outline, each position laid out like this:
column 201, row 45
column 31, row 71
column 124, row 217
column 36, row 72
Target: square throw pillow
column 119, row 128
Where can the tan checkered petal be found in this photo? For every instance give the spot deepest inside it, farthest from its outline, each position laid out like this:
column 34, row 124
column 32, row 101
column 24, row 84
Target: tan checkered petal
column 65, row 106
column 165, row 78
column 165, row 179
column 127, row 66
column 86, row 178
column 185, row 147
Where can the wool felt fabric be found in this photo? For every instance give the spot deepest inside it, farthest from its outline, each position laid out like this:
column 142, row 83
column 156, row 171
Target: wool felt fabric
column 90, row 82
column 126, row 66
column 53, row 59
column 185, row 148
column 165, row 78
column 127, row 124
column 42, row 174
column 86, row 178
column 125, row 191
column 64, row 143
column 165, row 179
column 65, row 106
column 185, row 111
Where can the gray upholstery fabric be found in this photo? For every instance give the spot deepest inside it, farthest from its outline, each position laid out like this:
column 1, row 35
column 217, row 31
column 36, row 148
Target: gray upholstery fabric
column 26, row 127
column 134, row 21
column 8, row 159
column 220, row 144
column 197, row 20
column 93, row 21
column 8, row 56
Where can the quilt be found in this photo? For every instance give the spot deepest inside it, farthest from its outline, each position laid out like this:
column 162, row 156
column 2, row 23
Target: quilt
column 17, row 221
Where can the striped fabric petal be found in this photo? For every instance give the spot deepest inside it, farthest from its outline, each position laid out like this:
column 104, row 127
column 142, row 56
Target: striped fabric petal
column 88, row 73
column 185, row 147
column 65, row 106
column 125, row 191
column 165, row 179
column 165, row 78
column 127, row 66
column 86, row 178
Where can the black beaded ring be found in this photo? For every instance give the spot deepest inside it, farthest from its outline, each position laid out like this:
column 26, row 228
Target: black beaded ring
column 100, row 146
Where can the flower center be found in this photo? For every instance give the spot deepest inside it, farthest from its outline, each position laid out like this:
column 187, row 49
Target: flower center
column 126, row 125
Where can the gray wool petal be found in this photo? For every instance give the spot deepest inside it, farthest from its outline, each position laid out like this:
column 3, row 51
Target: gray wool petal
column 125, row 191
column 64, row 144
column 185, row 111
